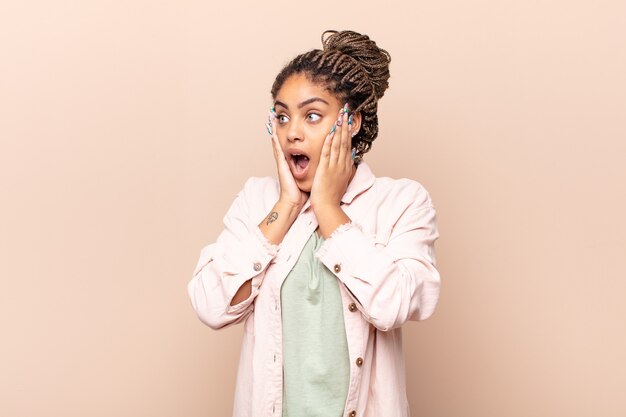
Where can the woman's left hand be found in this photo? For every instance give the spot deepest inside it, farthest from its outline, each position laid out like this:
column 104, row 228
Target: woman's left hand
column 335, row 167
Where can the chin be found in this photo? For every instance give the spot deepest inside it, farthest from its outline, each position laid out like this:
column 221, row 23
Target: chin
column 304, row 186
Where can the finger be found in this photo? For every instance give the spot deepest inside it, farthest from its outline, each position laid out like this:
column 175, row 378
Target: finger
column 284, row 171
column 280, row 155
column 345, row 139
column 273, row 120
column 336, row 140
column 350, row 150
column 326, row 148
column 278, row 151
column 268, row 125
column 277, row 156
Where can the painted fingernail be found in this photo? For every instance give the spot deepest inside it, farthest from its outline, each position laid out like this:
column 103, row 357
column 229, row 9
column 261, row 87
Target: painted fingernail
column 333, row 129
column 345, row 108
column 350, row 120
column 269, row 128
column 353, row 153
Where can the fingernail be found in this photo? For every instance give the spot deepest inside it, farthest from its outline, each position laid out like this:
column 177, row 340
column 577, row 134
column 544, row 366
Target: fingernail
column 353, row 153
column 345, row 108
column 269, row 128
column 350, row 120
column 333, row 129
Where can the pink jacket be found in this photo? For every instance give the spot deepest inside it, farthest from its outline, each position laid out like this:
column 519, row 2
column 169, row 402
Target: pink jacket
column 385, row 262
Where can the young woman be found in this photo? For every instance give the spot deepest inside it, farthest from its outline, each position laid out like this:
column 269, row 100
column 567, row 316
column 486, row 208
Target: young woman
column 326, row 263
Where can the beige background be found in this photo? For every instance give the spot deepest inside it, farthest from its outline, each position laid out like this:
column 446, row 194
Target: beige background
column 128, row 127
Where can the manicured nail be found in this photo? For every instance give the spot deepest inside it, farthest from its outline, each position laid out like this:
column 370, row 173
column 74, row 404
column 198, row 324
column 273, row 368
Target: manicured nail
column 269, row 128
column 333, row 129
column 345, row 108
column 350, row 120
column 353, row 153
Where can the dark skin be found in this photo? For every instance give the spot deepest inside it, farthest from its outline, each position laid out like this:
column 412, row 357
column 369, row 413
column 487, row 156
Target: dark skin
column 305, row 115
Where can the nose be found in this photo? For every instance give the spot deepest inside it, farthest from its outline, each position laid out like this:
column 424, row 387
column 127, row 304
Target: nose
column 294, row 132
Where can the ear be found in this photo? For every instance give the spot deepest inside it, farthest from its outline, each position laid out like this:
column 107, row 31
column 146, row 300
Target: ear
column 356, row 122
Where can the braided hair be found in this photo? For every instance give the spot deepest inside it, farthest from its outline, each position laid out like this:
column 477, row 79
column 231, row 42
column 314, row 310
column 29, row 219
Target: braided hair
column 355, row 70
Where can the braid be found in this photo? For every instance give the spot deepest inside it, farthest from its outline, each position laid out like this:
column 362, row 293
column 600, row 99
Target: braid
column 355, row 70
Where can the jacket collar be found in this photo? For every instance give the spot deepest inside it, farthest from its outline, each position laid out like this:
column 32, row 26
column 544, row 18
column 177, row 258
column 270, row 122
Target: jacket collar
column 363, row 179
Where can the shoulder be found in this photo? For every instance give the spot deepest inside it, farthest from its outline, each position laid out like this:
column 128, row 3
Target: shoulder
column 255, row 197
column 403, row 191
column 259, row 186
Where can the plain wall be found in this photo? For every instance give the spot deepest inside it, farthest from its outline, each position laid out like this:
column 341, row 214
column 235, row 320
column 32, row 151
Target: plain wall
column 127, row 128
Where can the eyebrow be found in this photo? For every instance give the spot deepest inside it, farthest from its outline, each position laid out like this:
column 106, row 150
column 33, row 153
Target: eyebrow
column 304, row 103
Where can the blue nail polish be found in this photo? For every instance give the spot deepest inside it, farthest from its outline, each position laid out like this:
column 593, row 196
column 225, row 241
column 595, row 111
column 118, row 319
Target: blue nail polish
column 353, row 153
column 333, row 129
column 350, row 120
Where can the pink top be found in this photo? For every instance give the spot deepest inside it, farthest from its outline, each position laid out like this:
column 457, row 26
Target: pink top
column 385, row 262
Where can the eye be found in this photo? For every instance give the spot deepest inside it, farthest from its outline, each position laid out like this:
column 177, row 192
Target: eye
column 282, row 118
column 314, row 117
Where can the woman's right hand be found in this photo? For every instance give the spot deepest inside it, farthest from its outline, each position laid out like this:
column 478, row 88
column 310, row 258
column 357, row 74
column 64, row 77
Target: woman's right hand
column 289, row 191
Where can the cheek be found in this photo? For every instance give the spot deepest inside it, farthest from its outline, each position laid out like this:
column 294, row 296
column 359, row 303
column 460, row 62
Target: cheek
column 318, row 132
column 319, row 147
column 282, row 141
column 318, row 143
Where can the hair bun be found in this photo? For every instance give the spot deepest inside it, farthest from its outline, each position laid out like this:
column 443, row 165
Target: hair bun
column 374, row 60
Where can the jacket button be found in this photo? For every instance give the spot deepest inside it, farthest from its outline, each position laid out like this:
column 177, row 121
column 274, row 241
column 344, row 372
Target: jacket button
column 359, row 361
column 352, row 307
column 352, row 413
column 337, row 268
column 257, row 266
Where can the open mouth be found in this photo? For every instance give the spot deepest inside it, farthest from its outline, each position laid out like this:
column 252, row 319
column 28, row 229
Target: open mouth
column 299, row 165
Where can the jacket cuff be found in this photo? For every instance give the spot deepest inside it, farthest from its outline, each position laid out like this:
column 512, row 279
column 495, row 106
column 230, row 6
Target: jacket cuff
column 334, row 236
column 346, row 249
column 259, row 253
column 348, row 252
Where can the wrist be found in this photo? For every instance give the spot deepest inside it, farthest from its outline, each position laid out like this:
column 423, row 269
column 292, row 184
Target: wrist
column 289, row 207
column 288, row 210
column 325, row 206
column 330, row 218
column 279, row 220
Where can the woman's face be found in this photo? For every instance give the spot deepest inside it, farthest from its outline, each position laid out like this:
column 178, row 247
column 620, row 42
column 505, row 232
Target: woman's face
column 305, row 114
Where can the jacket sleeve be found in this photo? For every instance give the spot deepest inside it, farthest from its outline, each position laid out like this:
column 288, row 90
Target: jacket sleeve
column 393, row 282
column 240, row 253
